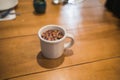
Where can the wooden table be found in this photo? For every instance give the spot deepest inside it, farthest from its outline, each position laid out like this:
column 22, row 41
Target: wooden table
column 94, row 56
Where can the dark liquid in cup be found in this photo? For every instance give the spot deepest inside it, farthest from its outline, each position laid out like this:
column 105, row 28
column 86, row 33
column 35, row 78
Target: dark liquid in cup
column 52, row 35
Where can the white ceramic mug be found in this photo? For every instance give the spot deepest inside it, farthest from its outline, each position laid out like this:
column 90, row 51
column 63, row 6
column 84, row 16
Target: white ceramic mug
column 54, row 49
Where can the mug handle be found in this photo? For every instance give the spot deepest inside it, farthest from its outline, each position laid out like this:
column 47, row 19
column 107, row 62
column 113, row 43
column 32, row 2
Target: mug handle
column 69, row 44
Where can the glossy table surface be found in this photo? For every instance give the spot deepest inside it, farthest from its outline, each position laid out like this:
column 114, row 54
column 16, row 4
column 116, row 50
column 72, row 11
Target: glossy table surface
column 94, row 56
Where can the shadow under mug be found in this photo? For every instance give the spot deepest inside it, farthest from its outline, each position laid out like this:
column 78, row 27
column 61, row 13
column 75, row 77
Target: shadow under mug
column 54, row 49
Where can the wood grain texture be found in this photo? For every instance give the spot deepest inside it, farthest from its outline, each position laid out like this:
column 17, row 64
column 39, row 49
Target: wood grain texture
column 97, row 43
column 103, row 70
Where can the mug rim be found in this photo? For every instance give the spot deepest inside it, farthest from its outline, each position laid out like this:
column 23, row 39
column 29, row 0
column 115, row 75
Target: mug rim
column 47, row 41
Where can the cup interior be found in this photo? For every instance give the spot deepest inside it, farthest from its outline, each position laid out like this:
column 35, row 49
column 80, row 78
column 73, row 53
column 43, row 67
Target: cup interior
column 51, row 27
